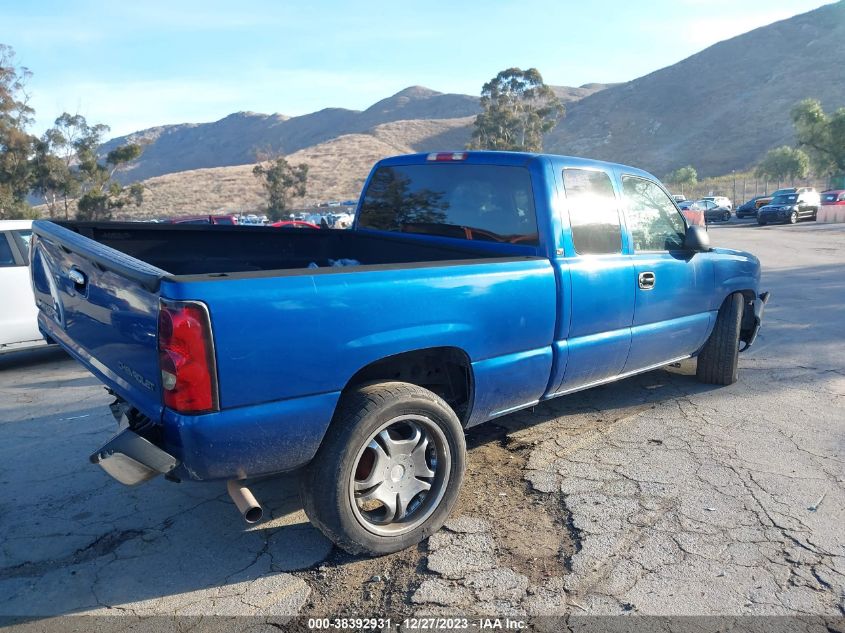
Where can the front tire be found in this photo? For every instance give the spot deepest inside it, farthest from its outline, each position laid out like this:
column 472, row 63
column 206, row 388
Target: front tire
column 726, row 216
column 388, row 471
column 761, row 222
column 719, row 358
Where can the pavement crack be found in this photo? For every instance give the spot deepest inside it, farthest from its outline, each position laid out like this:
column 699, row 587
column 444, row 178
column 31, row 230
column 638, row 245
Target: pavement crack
column 576, row 535
column 101, row 546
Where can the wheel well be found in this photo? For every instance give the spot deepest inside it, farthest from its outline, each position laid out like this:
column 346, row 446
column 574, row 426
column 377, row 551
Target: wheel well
column 444, row 370
column 747, row 323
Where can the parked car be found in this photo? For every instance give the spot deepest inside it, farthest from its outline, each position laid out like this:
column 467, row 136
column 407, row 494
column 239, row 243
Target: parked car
column 721, row 201
column 224, row 220
column 693, row 212
column 679, row 197
column 762, row 201
column 789, row 207
column 508, row 298
column 19, row 316
column 748, row 209
column 294, row 224
column 833, row 197
column 832, row 207
column 714, row 212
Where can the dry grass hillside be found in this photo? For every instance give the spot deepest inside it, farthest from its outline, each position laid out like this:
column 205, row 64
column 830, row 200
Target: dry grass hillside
column 337, row 169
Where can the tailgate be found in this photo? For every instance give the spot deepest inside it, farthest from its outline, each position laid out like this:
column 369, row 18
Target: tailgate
column 102, row 306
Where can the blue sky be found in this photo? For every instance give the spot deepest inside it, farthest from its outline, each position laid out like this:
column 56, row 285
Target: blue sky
column 134, row 65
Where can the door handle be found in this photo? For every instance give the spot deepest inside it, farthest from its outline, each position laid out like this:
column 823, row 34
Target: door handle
column 646, row 280
column 79, row 280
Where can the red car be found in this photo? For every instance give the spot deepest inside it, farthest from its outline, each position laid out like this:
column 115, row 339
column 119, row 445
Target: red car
column 834, row 196
column 294, row 224
column 693, row 212
column 832, row 207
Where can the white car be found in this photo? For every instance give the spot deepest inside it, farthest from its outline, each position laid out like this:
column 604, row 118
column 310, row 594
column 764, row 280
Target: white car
column 18, row 314
column 722, row 201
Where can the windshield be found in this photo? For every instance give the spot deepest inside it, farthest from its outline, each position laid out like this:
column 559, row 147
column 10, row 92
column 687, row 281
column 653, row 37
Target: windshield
column 785, row 199
column 473, row 202
column 781, row 192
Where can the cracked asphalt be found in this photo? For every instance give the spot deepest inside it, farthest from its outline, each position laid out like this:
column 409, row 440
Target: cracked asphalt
column 656, row 495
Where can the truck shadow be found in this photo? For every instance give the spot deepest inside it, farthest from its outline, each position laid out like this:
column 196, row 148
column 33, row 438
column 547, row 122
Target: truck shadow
column 93, row 542
column 73, row 540
column 22, row 359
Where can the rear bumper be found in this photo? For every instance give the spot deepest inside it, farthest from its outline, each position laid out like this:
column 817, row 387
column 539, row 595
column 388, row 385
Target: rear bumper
column 248, row 441
column 759, row 306
column 230, row 444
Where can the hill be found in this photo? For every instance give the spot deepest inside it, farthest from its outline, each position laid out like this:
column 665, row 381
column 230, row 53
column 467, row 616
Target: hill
column 237, row 138
column 337, row 169
column 718, row 110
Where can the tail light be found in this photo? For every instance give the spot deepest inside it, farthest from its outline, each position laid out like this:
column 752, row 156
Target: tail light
column 441, row 157
column 186, row 357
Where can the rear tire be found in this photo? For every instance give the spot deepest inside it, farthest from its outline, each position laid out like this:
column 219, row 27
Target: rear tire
column 719, row 358
column 761, row 222
column 389, row 441
column 726, row 216
column 793, row 217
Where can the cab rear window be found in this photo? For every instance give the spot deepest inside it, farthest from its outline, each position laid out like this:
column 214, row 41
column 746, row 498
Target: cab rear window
column 473, row 202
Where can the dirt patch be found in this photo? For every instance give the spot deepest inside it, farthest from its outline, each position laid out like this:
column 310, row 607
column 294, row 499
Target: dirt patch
column 529, row 529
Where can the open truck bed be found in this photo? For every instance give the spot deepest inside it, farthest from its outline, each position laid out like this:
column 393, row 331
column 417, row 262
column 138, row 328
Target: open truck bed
column 198, row 250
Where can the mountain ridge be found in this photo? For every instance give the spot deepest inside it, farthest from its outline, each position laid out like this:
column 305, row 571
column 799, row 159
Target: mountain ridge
column 239, row 137
column 718, row 110
column 736, row 93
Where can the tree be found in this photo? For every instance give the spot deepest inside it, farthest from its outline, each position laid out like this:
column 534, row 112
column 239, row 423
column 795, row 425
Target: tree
column 783, row 162
column 517, row 110
column 683, row 177
column 16, row 145
column 822, row 135
column 102, row 194
column 57, row 157
column 281, row 182
column 67, row 166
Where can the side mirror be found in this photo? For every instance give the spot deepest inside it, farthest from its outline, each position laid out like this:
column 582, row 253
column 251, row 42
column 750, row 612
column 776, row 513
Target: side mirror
column 697, row 239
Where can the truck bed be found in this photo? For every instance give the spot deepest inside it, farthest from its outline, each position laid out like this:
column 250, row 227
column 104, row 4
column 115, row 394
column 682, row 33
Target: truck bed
column 202, row 250
column 288, row 338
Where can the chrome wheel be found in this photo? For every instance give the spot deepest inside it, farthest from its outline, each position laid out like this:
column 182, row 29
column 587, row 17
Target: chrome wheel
column 400, row 475
column 793, row 218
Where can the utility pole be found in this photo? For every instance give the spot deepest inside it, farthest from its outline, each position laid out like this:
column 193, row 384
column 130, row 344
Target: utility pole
column 733, row 172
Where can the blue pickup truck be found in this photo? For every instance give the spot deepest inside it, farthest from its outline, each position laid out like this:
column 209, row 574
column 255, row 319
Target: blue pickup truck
column 471, row 285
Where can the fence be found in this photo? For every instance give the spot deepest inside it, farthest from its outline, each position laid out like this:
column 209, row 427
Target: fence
column 742, row 187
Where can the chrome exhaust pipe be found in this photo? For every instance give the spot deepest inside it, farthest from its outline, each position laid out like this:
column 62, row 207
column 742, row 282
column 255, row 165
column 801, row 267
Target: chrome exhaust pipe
column 246, row 503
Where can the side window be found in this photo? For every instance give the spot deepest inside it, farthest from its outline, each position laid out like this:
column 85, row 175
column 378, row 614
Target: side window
column 6, row 257
column 22, row 238
column 655, row 223
column 593, row 212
